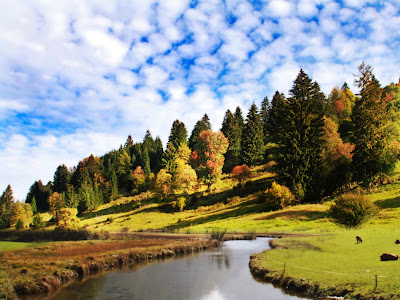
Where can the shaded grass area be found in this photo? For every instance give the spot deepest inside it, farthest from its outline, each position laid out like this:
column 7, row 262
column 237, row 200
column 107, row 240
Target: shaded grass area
column 335, row 263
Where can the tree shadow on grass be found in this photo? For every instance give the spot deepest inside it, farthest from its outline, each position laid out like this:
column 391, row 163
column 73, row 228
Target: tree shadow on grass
column 238, row 210
column 298, row 214
column 389, row 203
column 120, row 208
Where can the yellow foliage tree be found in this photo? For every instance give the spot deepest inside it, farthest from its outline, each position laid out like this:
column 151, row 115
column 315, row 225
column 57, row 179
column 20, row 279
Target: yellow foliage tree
column 279, row 196
column 67, row 218
column 56, row 203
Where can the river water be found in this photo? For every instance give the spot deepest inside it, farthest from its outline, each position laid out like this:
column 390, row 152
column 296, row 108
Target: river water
column 219, row 274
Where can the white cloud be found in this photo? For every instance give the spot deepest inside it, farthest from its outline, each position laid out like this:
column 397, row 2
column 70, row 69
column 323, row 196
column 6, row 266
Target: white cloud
column 78, row 68
column 279, row 8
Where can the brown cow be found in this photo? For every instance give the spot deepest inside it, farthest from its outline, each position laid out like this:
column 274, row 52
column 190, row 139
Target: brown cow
column 387, row 256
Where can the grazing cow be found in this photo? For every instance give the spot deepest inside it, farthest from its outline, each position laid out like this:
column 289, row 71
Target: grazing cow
column 387, row 256
column 397, row 242
column 359, row 239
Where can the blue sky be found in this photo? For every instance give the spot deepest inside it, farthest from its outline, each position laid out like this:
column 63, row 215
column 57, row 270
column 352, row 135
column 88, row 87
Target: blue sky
column 77, row 77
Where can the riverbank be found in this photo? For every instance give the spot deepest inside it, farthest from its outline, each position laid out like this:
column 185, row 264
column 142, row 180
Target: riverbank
column 333, row 265
column 46, row 268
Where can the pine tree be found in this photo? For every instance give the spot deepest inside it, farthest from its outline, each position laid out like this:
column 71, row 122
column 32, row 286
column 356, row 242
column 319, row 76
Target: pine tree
column 201, row 125
column 301, row 138
column 178, row 134
column 113, row 189
column 276, row 117
column 372, row 153
column 156, row 156
column 232, row 132
column 239, row 119
column 6, row 200
column 265, row 107
column 169, row 157
column 61, row 179
column 41, row 193
column 129, row 142
column 33, row 206
column 253, row 138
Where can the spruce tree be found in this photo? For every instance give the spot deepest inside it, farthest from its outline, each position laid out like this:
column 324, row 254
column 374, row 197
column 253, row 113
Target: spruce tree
column 275, row 117
column 61, row 179
column 231, row 131
column 7, row 199
column 253, row 138
column 178, row 134
column 239, row 120
column 301, row 138
column 169, row 157
column 265, row 107
column 156, row 156
column 201, row 125
column 372, row 153
column 129, row 142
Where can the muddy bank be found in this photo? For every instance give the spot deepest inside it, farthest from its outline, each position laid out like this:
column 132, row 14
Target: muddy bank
column 99, row 262
column 301, row 286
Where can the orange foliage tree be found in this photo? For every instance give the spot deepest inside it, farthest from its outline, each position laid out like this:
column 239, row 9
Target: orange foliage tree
column 241, row 174
column 208, row 155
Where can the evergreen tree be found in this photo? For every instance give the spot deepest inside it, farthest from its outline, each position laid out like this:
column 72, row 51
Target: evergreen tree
column 6, row 200
column 301, row 136
column 253, row 138
column 372, row 153
column 156, row 156
column 129, row 142
column 41, row 193
column 148, row 142
column 124, row 169
column 113, row 188
column 239, row 120
column 201, row 125
column 178, row 134
column 33, row 206
column 265, row 107
column 232, row 132
column 276, row 117
column 61, row 179
column 169, row 157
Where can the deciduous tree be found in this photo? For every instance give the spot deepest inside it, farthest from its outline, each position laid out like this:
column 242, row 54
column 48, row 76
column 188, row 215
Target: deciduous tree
column 208, row 155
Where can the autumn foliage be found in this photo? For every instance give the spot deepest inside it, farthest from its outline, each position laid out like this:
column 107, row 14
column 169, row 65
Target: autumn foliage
column 241, row 174
column 279, row 196
column 208, row 155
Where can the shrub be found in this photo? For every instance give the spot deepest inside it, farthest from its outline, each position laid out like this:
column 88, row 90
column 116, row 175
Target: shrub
column 37, row 222
column 241, row 174
column 279, row 196
column 19, row 225
column 352, row 209
column 217, row 234
column 67, row 218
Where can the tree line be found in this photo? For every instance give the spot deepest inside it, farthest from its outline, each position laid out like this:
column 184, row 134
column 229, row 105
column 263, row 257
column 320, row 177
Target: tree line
column 315, row 144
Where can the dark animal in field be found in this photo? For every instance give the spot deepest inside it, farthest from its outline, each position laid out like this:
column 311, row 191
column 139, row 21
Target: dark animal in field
column 359, row 239
column 397, row 242
column 387, row 256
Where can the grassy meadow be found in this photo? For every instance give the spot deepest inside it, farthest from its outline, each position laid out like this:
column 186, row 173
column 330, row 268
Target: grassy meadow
column 328, row 256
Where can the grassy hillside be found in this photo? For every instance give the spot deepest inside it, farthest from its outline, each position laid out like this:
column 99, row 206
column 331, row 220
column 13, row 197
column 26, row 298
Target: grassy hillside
column 238, row 209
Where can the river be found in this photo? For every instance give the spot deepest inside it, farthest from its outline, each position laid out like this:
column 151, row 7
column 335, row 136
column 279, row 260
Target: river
column 219, row 274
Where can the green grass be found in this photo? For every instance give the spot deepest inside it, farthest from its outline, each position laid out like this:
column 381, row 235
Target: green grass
column 6, row 246
column 336, row 261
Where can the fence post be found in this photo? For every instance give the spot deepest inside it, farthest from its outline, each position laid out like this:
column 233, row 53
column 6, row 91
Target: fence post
column 376, row 282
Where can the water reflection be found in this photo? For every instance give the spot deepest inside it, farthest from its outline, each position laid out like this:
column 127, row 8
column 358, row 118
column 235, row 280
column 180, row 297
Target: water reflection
column 220, row 274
